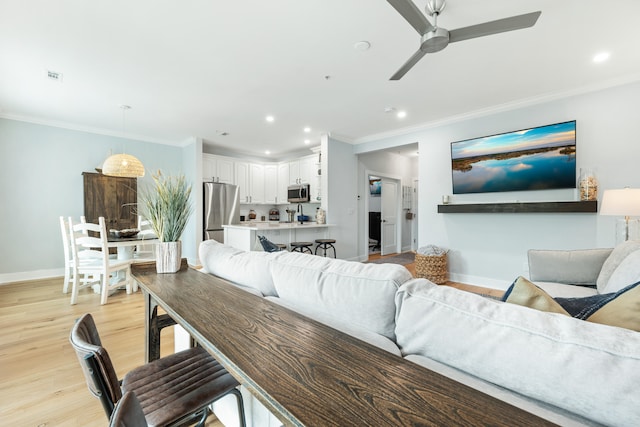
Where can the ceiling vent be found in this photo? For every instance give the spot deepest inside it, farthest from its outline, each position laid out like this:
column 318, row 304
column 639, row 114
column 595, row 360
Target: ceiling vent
column 54, row 76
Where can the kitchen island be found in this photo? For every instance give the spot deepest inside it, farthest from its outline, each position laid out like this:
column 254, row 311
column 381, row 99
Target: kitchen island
column 245, row 235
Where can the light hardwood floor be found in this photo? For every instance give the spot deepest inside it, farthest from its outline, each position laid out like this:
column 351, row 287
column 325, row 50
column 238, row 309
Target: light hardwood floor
column 41, row 381
column 469, row 288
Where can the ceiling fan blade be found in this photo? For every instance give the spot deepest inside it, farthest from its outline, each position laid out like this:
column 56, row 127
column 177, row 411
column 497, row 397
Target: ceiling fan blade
column 412, row 14
column 408, row 65
column 494, row 27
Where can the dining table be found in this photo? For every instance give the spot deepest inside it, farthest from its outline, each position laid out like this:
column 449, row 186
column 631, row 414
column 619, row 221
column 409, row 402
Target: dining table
column 125, row 245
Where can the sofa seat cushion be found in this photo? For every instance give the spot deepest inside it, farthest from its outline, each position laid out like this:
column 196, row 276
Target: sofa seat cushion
column 352, row 292
column 589, row 369
column 563, row 290
column 349, row 329
column 247, row 269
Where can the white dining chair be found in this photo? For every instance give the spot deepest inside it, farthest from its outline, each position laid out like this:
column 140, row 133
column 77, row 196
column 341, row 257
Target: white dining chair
column 68, row 257
column 144, row 251
column 91, row 256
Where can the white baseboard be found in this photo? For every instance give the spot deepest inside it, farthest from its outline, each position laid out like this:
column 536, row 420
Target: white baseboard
column 30, row 275
column 484, row 282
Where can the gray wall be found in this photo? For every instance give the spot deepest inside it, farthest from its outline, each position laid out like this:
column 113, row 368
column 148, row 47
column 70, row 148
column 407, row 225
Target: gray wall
column 490, row 249
column 41, row 179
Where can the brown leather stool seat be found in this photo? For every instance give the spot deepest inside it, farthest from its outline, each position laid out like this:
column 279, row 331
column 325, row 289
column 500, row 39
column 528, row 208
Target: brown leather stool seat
column 170, row 390
column 282, row 246
column 325, row 244
column 304, row 247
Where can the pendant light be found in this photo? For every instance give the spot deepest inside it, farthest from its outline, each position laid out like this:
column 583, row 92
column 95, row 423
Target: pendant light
column 123, row 165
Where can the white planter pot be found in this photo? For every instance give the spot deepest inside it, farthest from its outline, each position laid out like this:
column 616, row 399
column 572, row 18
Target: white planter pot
column 168, row 257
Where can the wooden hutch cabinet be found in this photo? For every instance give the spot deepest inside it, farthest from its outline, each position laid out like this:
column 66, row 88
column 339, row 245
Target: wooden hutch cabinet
column 114, row 198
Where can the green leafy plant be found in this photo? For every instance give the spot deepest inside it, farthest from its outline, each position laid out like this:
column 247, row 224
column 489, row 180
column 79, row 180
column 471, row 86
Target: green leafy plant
column 167, row 206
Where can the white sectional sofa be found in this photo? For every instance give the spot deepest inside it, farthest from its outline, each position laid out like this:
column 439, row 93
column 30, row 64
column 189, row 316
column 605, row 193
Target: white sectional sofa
column 565, row 370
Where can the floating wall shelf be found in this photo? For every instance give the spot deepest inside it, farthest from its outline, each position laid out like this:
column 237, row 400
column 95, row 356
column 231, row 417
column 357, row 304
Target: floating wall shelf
column 522, row 207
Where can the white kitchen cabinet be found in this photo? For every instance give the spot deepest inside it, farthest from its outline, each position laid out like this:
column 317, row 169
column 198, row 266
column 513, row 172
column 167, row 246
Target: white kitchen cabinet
column 302, row 171
column 217, row 169
column 242, row 180
column 256, row 183
column 283, row 182
column 271, row 183
column 250, row 182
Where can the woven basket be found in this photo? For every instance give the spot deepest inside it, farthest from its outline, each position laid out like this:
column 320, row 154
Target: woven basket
column 432, row 267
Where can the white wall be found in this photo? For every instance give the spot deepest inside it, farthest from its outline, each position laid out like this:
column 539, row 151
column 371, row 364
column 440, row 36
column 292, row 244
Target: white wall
column 340, row 202
column 41, row 179
column 490, row 249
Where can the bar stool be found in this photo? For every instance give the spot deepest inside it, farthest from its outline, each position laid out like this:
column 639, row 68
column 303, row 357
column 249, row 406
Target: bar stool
column 303, row 247
column 282, row 246
column 325, row 244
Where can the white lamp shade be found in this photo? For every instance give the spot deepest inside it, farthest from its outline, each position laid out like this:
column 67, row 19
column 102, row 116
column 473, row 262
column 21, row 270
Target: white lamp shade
column 124, row 165
column 623, row 202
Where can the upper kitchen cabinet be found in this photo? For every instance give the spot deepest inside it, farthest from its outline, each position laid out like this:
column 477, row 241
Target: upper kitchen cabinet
column 249, row 177
column 271, row 183
column 303, row 170
column 217, row 169
column 283, row 182
column 114, row 198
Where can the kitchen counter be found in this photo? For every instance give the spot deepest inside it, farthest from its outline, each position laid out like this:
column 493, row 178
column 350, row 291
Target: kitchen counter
column 245, row 235
column 269, row 225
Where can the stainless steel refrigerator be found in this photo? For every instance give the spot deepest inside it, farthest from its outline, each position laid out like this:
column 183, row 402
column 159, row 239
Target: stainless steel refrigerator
column 221, row 207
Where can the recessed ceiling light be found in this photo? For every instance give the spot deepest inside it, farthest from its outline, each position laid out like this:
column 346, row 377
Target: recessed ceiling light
column 401, row 114
column 307, row 129
column 267, row 152
column 307, row 141
column 270, row 119
column 601, row 57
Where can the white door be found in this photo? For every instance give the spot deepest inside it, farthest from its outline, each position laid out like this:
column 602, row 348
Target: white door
column 389, row 209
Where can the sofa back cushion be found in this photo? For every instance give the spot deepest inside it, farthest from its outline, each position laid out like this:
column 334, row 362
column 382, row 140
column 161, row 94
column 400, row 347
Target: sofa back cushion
column 586, row 368
column 352, row 292
column 248, row 269
column 574, row 267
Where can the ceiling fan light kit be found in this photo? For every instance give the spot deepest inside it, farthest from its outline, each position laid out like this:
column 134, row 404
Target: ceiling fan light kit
column 434, row 39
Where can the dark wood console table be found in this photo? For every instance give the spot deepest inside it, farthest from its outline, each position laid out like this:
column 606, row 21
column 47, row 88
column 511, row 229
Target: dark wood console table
column 307, row 373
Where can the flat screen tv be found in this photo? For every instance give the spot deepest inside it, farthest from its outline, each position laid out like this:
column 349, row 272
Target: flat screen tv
column 539, row 158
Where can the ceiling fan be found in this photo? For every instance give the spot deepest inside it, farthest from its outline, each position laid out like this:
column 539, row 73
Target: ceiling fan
column 434, row 38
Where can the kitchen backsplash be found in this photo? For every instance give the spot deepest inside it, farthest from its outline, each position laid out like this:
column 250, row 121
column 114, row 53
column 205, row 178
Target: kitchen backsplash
column 263, row 210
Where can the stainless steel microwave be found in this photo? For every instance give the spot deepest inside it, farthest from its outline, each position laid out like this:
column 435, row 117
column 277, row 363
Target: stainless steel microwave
column 298, row 193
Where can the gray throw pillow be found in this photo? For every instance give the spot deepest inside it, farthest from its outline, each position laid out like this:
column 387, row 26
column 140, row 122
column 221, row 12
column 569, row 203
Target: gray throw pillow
column 618, row 254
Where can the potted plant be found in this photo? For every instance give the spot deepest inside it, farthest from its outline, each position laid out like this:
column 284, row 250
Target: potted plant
column 167, row 206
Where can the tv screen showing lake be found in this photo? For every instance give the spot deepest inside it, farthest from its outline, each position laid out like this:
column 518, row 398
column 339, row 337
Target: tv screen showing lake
column 540, row 158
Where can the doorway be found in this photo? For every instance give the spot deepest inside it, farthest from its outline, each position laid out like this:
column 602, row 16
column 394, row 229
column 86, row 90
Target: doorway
column 383, row 206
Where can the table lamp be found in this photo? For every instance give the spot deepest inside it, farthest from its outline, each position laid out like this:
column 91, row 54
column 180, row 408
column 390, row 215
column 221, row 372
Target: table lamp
column 624, row 202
